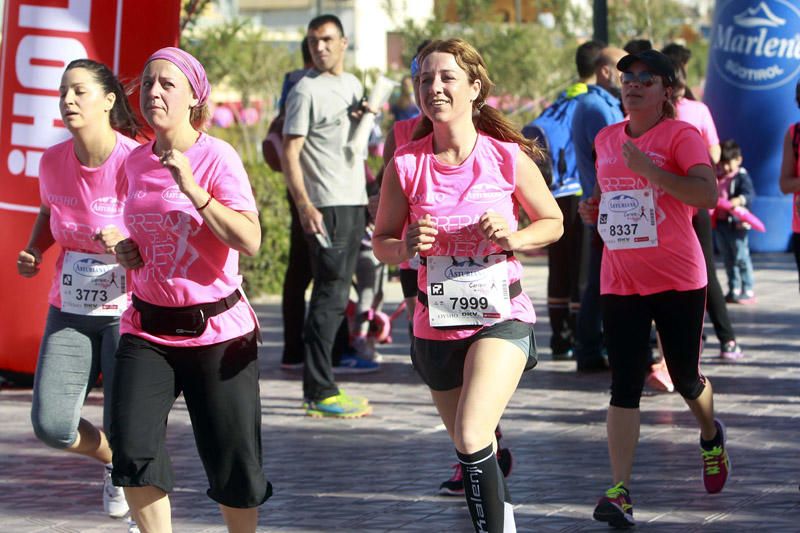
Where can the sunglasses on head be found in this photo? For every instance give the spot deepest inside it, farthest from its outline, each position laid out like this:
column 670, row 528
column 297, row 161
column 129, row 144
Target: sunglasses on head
column 643, row 78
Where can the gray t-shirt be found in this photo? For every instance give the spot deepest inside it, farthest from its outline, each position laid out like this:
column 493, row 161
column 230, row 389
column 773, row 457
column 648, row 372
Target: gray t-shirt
column 318, row 109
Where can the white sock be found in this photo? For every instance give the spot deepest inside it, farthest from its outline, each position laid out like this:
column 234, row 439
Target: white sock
column 508, row 521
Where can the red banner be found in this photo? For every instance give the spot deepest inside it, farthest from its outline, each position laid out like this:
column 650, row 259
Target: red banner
column 39, row 39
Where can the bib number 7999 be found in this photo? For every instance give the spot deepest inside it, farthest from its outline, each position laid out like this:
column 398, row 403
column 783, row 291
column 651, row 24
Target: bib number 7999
column 469, row 303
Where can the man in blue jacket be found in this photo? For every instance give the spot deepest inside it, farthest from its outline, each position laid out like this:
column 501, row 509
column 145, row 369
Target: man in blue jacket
column 597, row 108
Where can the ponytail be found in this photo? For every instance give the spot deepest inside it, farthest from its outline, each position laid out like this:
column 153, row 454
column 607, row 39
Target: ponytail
column 121, row 117
column 494, row 124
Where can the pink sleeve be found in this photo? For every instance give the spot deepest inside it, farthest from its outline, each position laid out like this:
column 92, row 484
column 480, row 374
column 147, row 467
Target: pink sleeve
column 689, row 149
column 43, row 169
column 230, row 185
column 709, row 129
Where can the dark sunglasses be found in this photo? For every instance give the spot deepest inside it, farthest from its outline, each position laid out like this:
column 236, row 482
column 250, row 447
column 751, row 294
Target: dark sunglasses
column 643, row 78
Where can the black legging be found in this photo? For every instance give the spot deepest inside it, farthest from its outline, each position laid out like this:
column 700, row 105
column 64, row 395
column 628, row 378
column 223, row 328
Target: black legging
column 715, row 301
column 626, row 323
column 293, row 302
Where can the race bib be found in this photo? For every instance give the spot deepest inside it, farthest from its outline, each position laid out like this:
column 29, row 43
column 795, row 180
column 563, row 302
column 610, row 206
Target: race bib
column 468, row 291
column 92, row 284
column 627, row 219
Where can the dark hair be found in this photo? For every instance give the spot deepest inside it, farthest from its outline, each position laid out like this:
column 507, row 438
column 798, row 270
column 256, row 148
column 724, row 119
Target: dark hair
column 486, row 118
column 587, row 57
column 306, row 51
column 681, row 84
column 729, row 150
column 635, row 46
column 121, row 117
column 321, row 20
column 679, row 54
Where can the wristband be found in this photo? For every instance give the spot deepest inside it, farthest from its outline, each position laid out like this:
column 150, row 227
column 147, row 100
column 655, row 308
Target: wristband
column 210, row 197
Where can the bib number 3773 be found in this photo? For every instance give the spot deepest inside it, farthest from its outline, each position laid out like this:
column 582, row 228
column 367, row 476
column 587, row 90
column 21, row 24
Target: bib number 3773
column 92, row 284
column 627, row 219
column 464, row 291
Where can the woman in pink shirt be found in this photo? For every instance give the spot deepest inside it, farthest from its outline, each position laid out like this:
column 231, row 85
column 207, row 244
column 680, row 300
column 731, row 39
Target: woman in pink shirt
column 653, row 172
column 789, row 181
column 190, row 213
column 459, row 185
column 698, row 115
column 83, row 189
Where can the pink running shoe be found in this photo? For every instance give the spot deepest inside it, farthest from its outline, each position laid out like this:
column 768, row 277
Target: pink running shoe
column 731, row 351
column 747, row 298
column 455, row 485
column 716, row 464
column 615, row 508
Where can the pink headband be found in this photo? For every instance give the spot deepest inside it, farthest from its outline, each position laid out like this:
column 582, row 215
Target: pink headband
column 190, row 67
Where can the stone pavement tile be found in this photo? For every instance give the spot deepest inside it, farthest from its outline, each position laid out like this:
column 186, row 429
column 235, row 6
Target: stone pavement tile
column 352, row 476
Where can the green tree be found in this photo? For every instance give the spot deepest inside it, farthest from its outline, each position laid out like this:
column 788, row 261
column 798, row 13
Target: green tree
column 525, row 60
column 241, row 62
column 661, row 21
column 236, row 55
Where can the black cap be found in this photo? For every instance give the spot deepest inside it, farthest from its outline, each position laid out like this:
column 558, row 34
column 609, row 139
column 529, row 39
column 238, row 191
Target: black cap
column 657, row 63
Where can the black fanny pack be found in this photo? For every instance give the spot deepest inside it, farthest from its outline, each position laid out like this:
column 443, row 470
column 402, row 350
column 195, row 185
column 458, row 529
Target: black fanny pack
column 188, row 321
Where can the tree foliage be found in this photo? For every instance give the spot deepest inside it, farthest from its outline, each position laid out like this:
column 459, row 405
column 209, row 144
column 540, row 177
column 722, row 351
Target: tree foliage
column 525, row 60
column 533, row 61
column 243, row 66
column 238, row 57
column 662, row 22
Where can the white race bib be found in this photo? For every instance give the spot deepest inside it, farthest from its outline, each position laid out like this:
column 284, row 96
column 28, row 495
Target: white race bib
column 468, row 291
column 93, row 284
column 627, row 219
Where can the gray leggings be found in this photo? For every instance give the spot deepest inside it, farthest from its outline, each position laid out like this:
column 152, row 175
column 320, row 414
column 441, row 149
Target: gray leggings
column 74, row 350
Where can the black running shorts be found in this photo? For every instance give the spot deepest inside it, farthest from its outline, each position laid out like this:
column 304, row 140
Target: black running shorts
column 440, row 364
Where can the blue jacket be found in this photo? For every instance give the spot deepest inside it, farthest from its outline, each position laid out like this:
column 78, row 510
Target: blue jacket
column 596, row 109
column 741, row 185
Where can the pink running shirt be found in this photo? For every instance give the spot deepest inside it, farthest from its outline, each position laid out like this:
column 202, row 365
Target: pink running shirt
column 82, row 200
column 184, row 262
column 677, row 262
column 796, row 196
column 403, row 129
column 698, row 115
column 456, row 197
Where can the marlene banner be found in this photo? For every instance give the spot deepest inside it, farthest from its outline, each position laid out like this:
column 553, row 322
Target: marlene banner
column 39, row 39
column 754, row 65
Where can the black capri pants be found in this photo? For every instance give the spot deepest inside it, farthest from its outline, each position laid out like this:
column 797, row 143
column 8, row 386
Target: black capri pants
column 679, row 320
column 220, row 385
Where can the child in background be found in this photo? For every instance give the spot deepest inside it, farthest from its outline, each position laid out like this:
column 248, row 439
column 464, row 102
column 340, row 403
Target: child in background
column 734, row 185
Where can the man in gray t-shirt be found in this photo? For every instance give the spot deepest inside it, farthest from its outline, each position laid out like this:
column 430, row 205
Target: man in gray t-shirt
column 329, row 190
column 318, row 110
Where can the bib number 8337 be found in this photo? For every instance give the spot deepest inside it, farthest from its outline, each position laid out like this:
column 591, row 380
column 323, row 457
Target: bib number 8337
column 622, row 229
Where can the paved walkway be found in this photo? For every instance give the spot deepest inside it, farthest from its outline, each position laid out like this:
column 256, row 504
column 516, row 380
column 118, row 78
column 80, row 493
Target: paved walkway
column 357, row 476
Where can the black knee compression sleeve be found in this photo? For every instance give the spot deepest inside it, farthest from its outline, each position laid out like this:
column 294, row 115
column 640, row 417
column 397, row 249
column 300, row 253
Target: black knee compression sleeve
column 486, row 492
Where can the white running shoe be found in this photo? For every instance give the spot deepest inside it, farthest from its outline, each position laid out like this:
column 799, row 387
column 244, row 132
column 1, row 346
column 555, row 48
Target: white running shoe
column 114, row 503
column 132, row 527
